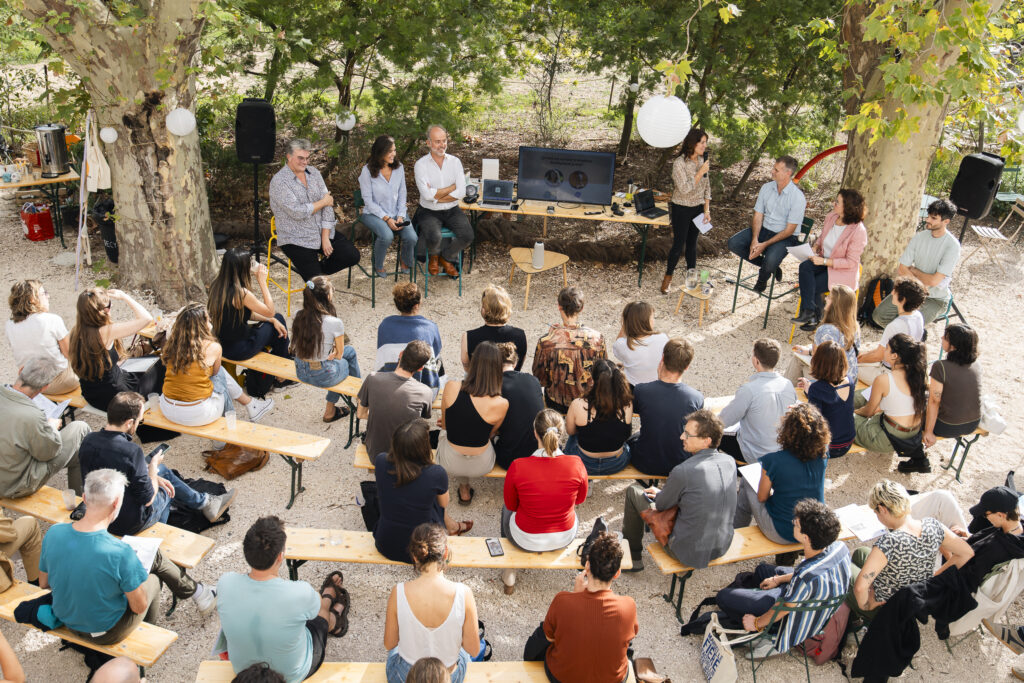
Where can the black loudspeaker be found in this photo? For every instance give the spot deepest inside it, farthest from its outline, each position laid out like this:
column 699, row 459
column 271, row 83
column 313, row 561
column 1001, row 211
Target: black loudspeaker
column 976, row 184
column 255, row 131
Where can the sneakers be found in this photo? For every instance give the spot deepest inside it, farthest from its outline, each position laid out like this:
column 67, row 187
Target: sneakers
column 638, row 564
column 205, row 598
column 215, row 506
column 258, row 407
column 922, row 466
column 284, row 383
column 811, row 324
column 1009, row 636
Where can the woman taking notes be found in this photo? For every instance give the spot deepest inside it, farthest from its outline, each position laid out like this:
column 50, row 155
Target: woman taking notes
column 382, row 184
column 691, row 196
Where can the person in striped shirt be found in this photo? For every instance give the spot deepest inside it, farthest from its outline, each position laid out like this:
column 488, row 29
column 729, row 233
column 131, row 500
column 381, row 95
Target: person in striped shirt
column 824, row 574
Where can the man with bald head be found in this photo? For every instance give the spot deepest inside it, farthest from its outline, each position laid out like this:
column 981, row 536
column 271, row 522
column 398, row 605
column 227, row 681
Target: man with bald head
column 441, row 182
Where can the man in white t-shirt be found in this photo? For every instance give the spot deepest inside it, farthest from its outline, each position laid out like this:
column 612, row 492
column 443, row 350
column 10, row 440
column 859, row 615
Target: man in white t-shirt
column 442, row 183
column 907, row 295
column 930, row 259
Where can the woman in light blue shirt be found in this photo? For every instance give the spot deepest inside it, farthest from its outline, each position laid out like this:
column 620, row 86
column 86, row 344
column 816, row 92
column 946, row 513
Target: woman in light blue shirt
column 382, row 183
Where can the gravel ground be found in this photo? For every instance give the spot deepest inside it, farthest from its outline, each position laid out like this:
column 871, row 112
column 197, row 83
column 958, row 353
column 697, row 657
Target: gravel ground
column 722, row 362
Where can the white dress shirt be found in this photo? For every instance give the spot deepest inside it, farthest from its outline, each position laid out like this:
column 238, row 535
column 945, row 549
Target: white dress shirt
column 430, row 177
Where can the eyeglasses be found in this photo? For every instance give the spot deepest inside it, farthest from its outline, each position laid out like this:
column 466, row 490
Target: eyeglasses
column 688, row 435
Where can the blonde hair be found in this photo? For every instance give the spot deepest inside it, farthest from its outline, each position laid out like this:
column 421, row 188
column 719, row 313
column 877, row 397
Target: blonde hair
column 25, row 299
column 890, row 495
column 841, row 311
column 495, row 305
column 548, row 426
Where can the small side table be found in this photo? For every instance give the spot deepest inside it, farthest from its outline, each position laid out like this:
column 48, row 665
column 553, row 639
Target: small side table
column 702, row 302
column 522, row 258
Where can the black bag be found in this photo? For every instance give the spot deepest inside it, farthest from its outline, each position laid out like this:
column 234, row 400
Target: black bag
column 584, row 550
column 876, row 290
column 258, row 384
column 371, row 505
column 912, row 447
column 193, row 520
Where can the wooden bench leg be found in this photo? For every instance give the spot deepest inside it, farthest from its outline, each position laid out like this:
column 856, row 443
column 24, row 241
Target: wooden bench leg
column 296, row 481
column 293, row 568
column 681, row 578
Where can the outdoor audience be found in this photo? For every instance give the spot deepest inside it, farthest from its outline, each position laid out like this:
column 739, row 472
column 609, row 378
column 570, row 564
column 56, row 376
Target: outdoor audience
column 541, row 494
column 411, row 490
column 638, row 346
column 691, row 196
column 471, row 412
column 600, row 424
column 430, row 616
column 565, row 354
column 389, row 399
column 264, row 618
column 832, row 393
column 395, row 331
column 382, row 185
column 34, row 331
column 839, row 325
column 496, row 310
column 525, row 399
column 33, row 447
column 318, row 344
column 757, row 406
column 702, row 487
column 954, row 387
column 663, row 406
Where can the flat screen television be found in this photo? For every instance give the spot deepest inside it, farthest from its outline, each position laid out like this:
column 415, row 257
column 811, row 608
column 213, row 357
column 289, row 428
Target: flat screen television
column 566, row 175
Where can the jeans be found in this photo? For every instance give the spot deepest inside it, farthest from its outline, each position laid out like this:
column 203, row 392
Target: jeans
column 813, row 283
column 885, row 312
column 683, row 232
column 184, row 495
column 397, row 669
column 225, row 385
column 598, row 466
column 770, row 258
column 429, row 224
column 384, row 236
column 308, row 264
column 330, row 372
column 260, row 335
column 739, row 601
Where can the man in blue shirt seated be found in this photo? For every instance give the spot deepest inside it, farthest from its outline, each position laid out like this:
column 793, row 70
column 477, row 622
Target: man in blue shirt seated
column 264, row 618
column 778, row 213
column 101, row 591
column 824, row 574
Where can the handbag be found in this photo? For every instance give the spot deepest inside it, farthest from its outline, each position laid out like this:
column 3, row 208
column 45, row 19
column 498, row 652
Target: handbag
column 906, row 447
column 716, row 658
column 233, row 461
column 600, row 526
column 991, row 421
column 661, row 522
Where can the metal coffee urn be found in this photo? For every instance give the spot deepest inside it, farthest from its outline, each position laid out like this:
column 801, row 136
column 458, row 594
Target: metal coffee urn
column 53, row 151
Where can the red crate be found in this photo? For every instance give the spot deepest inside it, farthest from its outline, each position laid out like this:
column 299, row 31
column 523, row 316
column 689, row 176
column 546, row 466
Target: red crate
column 38, row 226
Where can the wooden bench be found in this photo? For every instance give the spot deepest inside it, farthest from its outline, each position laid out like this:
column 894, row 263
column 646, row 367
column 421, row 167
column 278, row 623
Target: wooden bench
column 293, row 447
column 373, row 672
column 338, row 545
column 182, row 547
column 362, row 461
column 144, row 646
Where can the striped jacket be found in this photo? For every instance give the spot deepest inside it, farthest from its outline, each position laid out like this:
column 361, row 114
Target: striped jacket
column 823, row 577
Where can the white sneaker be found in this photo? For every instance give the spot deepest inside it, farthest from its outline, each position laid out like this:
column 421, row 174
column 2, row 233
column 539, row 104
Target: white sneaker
column 205, row 598
column 258, row 407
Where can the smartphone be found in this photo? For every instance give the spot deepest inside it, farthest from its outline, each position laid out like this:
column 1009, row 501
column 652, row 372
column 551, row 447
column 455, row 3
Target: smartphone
column 494, row 547
column 402, row 224
column 78, row 512
column 162, row 448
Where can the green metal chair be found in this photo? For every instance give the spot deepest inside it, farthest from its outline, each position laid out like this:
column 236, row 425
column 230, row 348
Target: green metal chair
column 358, row 204
column 421, row 267
column 770, row 295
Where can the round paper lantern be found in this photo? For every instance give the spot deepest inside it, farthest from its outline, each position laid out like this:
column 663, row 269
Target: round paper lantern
column 634, row 87
column 663, row 121
column 1020, row 121
column 345, row 123
column 108, row 135
column 181, row 122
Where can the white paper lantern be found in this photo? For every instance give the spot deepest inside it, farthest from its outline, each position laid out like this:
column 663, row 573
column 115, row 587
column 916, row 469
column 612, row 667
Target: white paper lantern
column 181, row 122
column 108, row 135
column 1020, row 121
column 663, row 121
column 347, row 123
column 634, row 87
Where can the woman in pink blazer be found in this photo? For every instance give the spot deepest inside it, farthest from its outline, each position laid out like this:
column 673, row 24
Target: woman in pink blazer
column 836, row 256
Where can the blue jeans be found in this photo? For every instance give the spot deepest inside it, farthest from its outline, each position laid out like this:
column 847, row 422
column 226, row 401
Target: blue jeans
column 219, row 380
column 770, row 258
column 397, row 668
column 384, row 236
column 330, row 373
column 813, row 283
column 739, row 601
column 598, row 466
column 184, row 495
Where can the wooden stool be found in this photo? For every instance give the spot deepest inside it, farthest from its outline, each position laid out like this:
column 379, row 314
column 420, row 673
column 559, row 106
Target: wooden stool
column 702, row 302
column 522, row 258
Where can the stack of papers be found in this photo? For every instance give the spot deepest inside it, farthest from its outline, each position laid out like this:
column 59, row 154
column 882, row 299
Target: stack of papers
column 861, row 521
column 52, row 410
column 701, row 225
column 145, row 548
column 801, row 252
column 752, row 474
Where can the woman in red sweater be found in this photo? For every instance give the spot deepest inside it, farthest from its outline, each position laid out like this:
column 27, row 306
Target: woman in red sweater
column 541, row 494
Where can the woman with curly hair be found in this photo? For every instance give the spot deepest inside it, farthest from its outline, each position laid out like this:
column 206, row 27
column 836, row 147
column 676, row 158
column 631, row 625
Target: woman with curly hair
column 600, row 424
column 197, row 389
column 787, row 476
column 34, row 331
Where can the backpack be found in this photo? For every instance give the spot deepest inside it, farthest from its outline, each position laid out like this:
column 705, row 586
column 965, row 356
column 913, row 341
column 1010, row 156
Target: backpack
column 827, row 645
column 258, row 384
column 600, row 526
column 876, row 290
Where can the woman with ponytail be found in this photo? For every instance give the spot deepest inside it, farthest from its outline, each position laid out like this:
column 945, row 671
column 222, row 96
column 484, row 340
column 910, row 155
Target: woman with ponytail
column 600, row 424
column 318, row 344
column 430, row 616
column 541, row 494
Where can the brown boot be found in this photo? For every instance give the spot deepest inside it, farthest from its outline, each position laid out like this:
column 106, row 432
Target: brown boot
column 433, row 268
column 666, row 281
column 449, row 268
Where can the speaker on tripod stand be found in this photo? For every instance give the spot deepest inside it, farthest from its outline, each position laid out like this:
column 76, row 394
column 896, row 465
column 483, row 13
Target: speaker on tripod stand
column 975, row 186
column 255, row 136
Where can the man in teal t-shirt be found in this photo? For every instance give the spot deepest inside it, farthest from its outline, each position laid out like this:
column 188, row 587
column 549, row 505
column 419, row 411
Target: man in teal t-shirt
column 265, row 618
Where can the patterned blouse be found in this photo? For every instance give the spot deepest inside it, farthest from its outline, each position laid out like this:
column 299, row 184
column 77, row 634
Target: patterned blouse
column 685, row 191
column 291, row 202
column 563, row 360
column 910, row 559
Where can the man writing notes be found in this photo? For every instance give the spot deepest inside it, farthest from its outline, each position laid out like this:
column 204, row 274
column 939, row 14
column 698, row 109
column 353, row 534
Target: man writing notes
column 442, row 183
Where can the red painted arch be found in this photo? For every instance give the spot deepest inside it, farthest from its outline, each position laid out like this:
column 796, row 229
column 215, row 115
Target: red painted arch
column 827, row 153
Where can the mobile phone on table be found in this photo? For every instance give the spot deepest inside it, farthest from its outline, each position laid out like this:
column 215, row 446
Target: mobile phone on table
column 494, row 547
column 162, row 448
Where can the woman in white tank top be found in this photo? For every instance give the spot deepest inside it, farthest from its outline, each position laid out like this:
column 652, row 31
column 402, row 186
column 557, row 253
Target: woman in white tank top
column 430, row 616
column 897, row 397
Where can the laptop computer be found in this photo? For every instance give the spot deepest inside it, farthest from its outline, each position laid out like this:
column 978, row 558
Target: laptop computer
column 644, row 203
column 497, row 194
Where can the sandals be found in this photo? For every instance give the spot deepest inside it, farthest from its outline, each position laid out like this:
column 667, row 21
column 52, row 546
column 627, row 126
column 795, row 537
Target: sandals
column 464, row 528
column 458, row 495
column 341, row 597
column 339, row 412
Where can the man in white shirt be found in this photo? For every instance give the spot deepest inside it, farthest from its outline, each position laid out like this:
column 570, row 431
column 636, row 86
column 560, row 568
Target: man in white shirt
column 442, row 183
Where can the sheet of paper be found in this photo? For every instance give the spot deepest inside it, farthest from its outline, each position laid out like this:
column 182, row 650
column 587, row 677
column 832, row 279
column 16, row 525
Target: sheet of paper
column 866, row 394
column 138, row 364
column 801, row 252
column 752, row 474
column 701, row 225
column 145, row 548
column 804, row 358
column 861, row 521
column 50, row 409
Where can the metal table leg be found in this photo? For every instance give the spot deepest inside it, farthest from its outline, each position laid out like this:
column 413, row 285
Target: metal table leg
column 293, row 568
column 681, row 577
column 296, row 480
column 642, row 229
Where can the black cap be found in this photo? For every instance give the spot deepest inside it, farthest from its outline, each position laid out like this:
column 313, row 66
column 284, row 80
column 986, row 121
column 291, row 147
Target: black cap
column 998, row 499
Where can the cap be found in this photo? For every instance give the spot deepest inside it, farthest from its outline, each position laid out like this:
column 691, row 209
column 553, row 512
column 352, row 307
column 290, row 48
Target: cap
column 998, row 499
